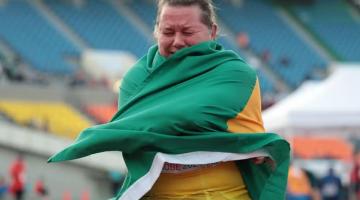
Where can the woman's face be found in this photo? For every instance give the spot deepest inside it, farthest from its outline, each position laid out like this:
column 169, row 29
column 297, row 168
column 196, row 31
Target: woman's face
column 181, row 26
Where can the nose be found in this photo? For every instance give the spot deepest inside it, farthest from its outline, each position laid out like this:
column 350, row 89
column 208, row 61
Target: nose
column 179, row 41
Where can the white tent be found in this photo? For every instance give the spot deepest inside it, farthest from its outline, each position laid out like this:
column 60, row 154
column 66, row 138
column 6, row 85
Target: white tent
column 329, row 105
column 109, row 64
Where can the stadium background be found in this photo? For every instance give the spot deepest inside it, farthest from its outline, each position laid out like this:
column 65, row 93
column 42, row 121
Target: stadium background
column 61, row 62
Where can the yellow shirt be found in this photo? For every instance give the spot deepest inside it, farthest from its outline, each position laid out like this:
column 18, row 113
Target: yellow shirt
column 218, row 181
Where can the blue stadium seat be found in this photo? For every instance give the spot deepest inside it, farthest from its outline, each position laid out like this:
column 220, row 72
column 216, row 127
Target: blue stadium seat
column 35, row 39
column 268, row 32
column 145, row 9
column 267, row 86
column 101, row 25
column 332, row 22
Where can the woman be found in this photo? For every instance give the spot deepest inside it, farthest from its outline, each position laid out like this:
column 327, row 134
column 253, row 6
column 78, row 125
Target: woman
column 182, row 24
column 177, row 106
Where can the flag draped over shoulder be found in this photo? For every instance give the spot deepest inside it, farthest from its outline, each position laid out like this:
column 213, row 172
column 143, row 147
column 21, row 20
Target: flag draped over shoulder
column 176, row 110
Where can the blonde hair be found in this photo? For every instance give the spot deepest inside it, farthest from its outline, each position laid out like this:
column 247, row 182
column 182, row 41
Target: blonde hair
column 208, row 16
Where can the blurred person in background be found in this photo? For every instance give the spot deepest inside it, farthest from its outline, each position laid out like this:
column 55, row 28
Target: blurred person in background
column 67, row 195
column 186, row 95
column 330, row 186
column 266, row 56
column 116, row 179
column 355, row 177
column 40, row 189
column 314, row 183
column 299, row 185
column 243, row 40
column 17, row 173
column 3, row 188
column 85, row 195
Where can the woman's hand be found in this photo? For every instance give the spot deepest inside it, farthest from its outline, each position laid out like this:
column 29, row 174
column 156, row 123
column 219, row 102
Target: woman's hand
column 263, row 160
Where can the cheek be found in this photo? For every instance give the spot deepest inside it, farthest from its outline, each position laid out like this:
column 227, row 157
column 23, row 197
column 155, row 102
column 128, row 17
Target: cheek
column 196, row 39
column 191, row 41
column 164, row 45
column 164, row 42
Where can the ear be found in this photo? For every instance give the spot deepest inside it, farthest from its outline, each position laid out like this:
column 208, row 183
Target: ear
column 214, row 29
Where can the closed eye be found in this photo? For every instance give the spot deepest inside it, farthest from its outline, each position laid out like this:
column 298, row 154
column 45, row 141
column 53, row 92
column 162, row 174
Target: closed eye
column 188, row 33
column 168, row 33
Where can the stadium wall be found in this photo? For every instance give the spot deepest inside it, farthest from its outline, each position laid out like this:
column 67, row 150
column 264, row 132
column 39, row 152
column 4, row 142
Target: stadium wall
column 58, row 178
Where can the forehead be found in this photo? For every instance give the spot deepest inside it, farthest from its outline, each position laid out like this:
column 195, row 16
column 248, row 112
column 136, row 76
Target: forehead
column 180, row 15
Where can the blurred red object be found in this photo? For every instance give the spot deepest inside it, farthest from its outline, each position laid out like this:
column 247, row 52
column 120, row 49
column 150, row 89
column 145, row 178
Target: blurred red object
column 17, row 173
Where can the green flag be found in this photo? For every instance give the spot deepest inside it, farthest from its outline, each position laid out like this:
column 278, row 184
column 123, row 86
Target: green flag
column 176, row 110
